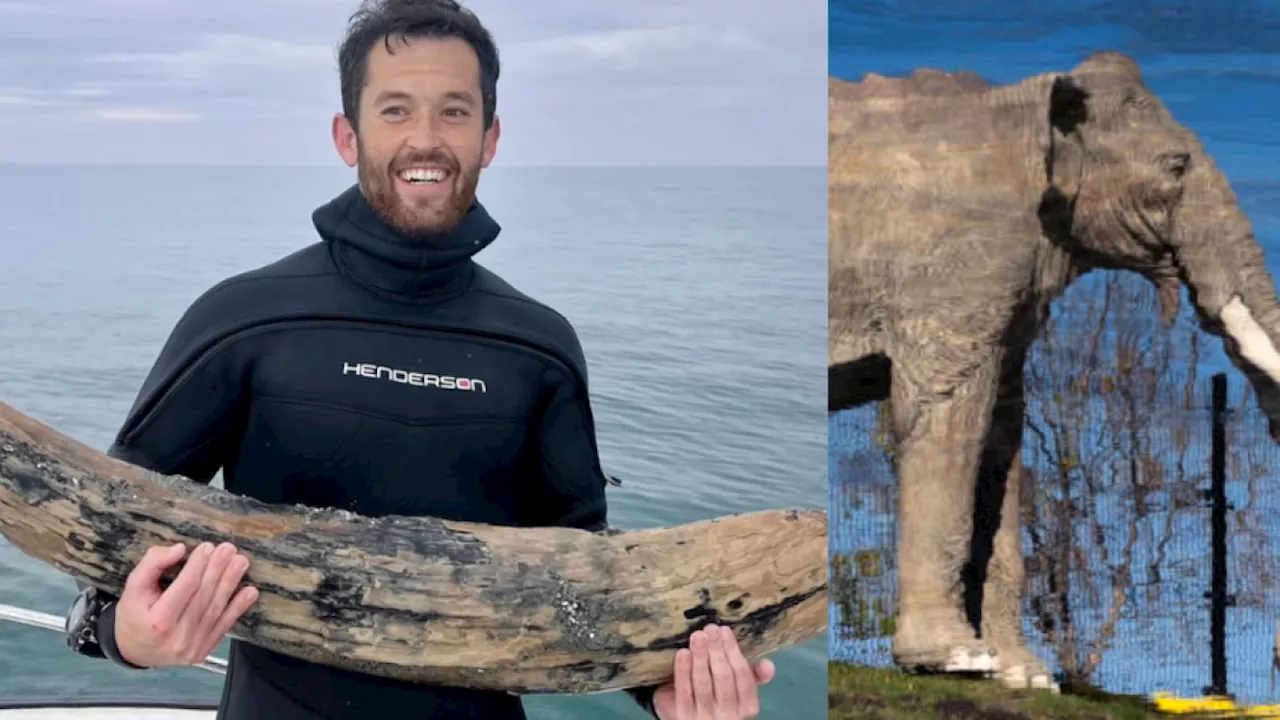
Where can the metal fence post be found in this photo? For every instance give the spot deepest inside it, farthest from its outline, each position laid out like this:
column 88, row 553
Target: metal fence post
column 1218, row 598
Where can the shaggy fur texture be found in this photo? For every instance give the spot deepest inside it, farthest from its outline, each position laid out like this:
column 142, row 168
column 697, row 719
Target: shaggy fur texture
column 958, row 212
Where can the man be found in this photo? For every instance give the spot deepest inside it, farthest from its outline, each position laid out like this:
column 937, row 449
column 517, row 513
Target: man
column 383, row 371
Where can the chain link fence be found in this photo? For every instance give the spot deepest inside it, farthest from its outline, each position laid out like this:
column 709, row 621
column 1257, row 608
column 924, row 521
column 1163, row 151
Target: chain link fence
column 1116, row 514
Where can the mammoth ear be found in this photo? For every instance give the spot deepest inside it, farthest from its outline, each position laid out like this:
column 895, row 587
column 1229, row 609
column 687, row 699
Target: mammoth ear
column 1068, row 105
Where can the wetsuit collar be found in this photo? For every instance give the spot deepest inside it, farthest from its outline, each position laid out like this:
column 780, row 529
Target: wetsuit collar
column 377, row 256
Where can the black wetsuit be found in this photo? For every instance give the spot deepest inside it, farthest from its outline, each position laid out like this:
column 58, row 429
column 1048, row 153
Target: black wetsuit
column 369, row 374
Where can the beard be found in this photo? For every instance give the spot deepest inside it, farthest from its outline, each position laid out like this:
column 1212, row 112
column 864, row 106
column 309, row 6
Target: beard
column 419, row 218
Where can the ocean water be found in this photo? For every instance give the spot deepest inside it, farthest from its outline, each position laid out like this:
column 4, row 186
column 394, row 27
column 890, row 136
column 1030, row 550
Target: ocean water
column 699, row 295
column 1217, row 68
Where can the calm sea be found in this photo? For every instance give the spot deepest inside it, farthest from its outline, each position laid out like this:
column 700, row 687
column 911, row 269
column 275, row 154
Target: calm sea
column 1217, row 68
column 700, row 297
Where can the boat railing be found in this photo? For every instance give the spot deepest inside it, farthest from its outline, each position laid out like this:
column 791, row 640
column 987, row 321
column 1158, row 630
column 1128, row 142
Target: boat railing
column 45, row 621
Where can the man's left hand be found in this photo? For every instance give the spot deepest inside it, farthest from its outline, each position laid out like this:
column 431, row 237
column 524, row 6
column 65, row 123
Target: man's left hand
column 713, row 680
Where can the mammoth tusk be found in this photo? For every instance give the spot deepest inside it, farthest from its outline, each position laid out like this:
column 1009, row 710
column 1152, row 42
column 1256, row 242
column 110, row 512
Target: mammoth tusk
column 522, row 610
column 1254, row 343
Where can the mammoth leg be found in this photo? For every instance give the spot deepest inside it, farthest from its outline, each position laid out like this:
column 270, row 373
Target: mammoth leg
column 940, row 440
column 996, row 578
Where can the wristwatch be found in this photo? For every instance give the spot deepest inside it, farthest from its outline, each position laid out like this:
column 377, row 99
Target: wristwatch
column 82, row 622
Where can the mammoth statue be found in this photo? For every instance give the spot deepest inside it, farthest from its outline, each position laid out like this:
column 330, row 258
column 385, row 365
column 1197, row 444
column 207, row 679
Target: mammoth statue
column 958, row 211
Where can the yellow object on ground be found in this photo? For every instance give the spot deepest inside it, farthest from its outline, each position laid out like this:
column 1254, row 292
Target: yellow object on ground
column 1210, row 707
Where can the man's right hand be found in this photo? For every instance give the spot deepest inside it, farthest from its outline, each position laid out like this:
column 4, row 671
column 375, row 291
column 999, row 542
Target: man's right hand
column 181, row 624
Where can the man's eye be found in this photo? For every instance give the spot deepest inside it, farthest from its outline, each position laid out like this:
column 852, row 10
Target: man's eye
column 456, row 112
column 393, row 111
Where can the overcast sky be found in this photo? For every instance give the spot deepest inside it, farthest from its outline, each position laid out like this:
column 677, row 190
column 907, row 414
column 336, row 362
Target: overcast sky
column 597, row 82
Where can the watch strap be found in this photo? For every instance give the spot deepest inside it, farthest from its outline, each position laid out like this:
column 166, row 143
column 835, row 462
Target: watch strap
column 106, row 634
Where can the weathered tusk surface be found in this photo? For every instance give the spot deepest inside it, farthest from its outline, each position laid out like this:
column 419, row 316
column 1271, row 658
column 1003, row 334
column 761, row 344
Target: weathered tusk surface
column 522, row 610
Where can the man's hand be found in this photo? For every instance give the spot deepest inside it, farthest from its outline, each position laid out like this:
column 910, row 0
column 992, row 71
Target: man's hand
column 713, row 680
column 182, row 624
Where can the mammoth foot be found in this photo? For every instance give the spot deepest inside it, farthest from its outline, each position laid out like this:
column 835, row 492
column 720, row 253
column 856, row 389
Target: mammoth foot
column 966, row 658
column 1021, row 670
column 942, row 647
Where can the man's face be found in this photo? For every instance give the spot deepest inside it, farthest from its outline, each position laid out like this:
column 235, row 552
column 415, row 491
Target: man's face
column 422, row 141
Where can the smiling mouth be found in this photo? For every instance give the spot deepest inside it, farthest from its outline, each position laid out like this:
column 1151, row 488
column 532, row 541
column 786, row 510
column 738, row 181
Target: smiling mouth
column 424, row 176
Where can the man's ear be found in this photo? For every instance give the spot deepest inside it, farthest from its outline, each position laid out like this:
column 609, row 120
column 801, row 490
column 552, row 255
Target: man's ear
column 345, row 141
column 491, row 142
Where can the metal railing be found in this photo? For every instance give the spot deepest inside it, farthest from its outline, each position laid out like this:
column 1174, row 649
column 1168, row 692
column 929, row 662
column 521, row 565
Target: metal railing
column 45, row 621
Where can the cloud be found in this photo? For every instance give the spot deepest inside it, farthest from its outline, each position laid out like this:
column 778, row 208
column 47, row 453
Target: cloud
column 627, row 47
column 225, row 51
column 12, row 7
column 142, row 115
column 33, row 97
column 709, row 95
column 19, row 100
column 253, row 81
column 73, row 91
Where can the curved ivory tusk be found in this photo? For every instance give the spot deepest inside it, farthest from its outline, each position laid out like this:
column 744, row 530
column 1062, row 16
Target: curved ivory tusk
column 523, row 610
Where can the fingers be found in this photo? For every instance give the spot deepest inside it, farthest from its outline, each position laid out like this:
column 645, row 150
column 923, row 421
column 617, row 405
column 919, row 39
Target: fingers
column 185, row 622
column 237, row 607
column 726, row 687
column 145, row 577
column 703, row 692
column 685, row 705
column 193, row 613
column 222, row 574
column 721, row 683
column 178, row 595
column 743, row 674
column 764, row 670
column 191, row 616
column 221, row 578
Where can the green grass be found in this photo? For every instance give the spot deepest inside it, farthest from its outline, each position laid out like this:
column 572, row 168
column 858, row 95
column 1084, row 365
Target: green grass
column 873, row 694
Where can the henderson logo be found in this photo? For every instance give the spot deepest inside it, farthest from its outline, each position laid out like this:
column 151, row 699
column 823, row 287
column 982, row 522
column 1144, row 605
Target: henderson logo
column 404, row 377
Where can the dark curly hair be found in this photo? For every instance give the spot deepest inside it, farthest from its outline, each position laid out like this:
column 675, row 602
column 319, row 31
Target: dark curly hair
column 384, row 20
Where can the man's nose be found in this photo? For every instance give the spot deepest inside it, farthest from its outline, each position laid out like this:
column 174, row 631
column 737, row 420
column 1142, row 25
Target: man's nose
column 425, row 133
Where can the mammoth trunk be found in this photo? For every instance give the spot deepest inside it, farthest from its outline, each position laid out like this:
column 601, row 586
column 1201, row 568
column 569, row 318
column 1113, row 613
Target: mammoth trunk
column 1225, row 271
